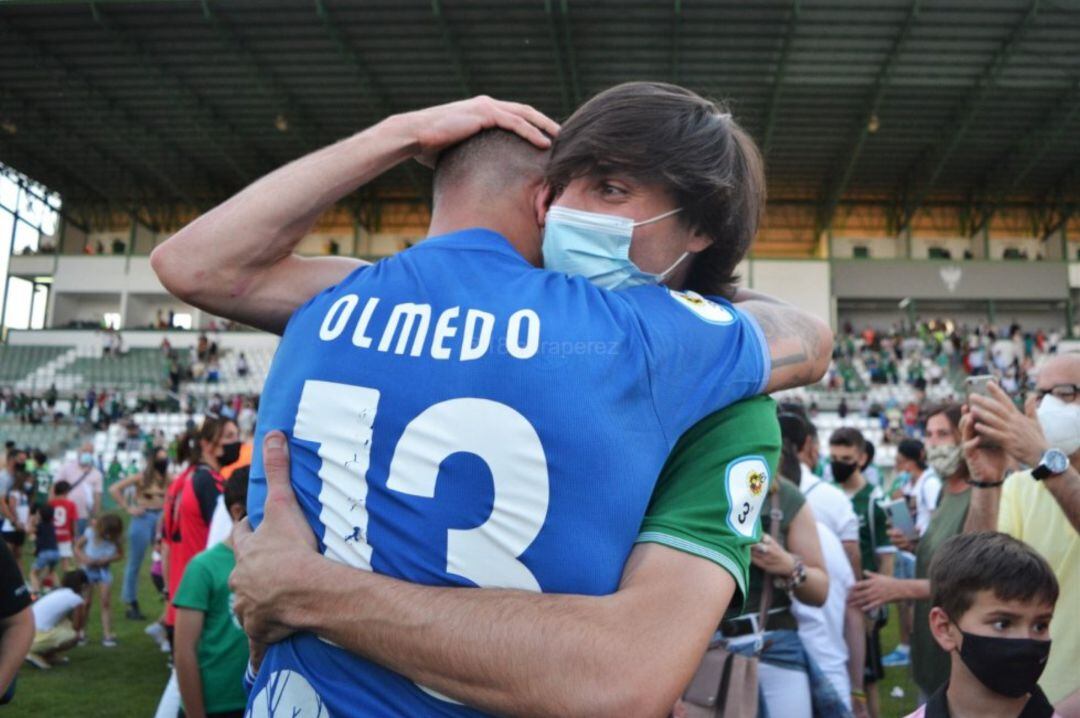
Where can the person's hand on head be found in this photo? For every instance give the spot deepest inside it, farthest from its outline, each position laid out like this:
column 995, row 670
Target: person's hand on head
column 986, row 463
column 998, row 420
column 437, row 128
column 274, row 560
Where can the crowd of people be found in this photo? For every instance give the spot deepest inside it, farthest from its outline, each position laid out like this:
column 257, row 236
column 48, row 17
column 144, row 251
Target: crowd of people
column 705, row 552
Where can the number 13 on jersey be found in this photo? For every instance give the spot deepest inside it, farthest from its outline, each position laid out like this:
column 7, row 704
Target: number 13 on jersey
column 340, row 418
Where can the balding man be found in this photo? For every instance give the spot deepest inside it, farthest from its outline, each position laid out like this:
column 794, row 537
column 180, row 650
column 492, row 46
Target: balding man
column 1040, row 506
column 87, row 485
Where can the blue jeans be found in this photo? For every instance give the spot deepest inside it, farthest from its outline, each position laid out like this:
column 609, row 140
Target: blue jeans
column 784, row 649
column 140, row 536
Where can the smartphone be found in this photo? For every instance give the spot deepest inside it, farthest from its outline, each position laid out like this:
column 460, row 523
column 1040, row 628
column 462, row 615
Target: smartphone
column 979, row 385
column 900, row 515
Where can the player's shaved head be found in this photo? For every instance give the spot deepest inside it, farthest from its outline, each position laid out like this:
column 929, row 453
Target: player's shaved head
column 492, row 164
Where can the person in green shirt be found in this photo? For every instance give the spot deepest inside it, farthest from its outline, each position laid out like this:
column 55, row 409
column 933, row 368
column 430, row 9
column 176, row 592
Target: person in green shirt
column 211, row 647
column 847, row 451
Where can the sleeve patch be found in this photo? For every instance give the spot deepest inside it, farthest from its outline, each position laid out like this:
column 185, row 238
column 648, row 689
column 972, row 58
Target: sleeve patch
column 705, row 309
column 746, row 484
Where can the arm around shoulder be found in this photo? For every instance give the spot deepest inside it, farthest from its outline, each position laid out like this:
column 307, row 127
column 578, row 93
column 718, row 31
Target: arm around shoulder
column 800, row 344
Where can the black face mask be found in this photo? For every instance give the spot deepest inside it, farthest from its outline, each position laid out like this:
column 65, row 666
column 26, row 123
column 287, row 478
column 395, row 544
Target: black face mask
column 842, row 471
column 161, row 466
column 229, row 453
column 1008, row 666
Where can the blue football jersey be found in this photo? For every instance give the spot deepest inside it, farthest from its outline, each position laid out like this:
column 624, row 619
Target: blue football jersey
column 458, row 417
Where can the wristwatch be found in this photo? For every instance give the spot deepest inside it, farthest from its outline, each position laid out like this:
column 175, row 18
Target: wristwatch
column 1052, row 463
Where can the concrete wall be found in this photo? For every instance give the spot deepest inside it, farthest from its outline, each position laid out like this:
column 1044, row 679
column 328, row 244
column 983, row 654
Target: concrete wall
column 804, row 283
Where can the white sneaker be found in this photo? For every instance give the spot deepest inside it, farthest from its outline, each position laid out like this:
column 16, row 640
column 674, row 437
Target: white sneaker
column 39, row 661
column 155, row 631
column 165, row 647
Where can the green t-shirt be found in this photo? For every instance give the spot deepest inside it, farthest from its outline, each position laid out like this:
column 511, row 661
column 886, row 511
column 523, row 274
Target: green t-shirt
column 791, row 500
column 930, row 665
column 223, row 646
column 711, row 490
column 873, row 526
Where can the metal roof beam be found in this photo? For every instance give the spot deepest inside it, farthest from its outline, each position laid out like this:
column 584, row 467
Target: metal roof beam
column 1011, row 170
column 453, row 49
column 955, row 132
column 109, row 108
column 571, row 56
column 771, row 111
column 54, row 131
column 197, row 108
column 266, row 80
column 373, row 94
column 676, row 42
column 877, row 93
column 560, row 65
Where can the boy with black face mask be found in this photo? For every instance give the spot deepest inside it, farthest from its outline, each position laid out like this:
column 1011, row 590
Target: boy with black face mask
column 847, row 456
column 993, row 598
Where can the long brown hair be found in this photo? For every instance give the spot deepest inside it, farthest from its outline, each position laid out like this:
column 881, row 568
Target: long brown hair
column 211, row 430
column 150, row 478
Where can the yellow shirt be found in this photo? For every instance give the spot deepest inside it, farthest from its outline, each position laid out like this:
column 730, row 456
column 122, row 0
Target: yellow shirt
column 1030, row 513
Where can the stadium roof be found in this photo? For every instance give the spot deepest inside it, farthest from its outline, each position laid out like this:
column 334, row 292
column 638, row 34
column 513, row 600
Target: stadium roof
column 899, row 105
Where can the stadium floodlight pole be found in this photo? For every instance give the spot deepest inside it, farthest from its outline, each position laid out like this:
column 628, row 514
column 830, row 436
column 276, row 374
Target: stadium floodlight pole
column 873, row 103
column 955, row 132
column 771, row 112
column 197, row 108
column 453, row 49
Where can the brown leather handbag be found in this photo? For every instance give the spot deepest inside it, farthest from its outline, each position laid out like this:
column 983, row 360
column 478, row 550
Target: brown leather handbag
column 726, row 684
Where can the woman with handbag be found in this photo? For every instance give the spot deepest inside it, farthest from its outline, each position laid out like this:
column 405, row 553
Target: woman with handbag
column 759, row 665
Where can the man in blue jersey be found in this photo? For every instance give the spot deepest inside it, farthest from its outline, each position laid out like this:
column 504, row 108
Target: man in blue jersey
column 438, row 475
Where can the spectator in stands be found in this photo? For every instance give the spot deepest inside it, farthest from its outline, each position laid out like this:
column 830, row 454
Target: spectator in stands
column 14, row 503
column 86, row 486
column 98, row 547
column 1040, row 506
column 145, row 511
column 57, row 621
column 64, row 522
column 46, row 549
column 211, row 648
column 993, row 598
column 847, row 451
column 16, row 623
column 945, row 455
column 830, row 505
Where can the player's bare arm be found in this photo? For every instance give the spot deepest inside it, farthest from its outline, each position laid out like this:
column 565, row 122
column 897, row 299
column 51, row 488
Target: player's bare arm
column 505, row 652
column 800, row 344
column 237, row 261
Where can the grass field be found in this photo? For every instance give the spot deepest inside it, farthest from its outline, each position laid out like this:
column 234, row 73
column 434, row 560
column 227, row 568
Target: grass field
column 126, row 681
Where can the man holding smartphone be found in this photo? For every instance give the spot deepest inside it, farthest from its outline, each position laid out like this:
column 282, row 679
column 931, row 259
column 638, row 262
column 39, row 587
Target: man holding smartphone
column 1040, row 506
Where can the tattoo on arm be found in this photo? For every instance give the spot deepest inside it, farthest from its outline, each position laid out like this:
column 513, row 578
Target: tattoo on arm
column 793, row 342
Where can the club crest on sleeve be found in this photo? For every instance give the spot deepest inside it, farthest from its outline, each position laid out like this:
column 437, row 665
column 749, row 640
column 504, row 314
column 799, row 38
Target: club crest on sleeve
column 705, row 309
column 746, row 483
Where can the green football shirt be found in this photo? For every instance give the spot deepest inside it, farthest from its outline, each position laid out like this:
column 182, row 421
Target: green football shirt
column 223, row 646
column 873, row 526
column 709, row 495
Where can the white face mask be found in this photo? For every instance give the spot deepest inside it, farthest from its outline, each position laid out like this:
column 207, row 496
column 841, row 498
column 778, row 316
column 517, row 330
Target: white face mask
column 1060, row 423
column 597, row 246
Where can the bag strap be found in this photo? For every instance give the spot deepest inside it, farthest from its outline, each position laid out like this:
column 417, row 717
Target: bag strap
column 81, row 479
column 775, row 516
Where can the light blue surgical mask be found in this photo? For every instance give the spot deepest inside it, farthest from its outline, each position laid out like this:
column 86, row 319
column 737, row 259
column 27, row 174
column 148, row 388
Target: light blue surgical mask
column 86, row 458
column 597, row 246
